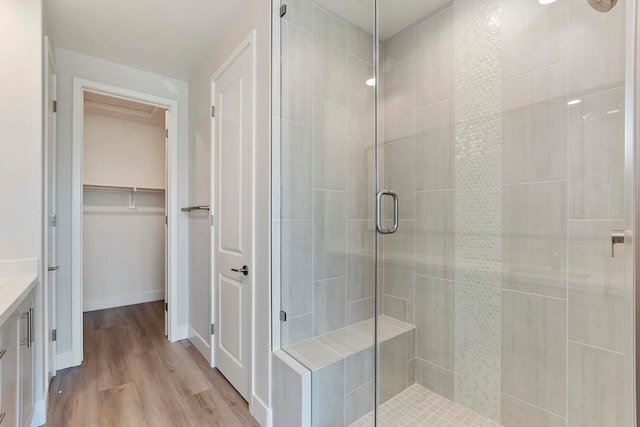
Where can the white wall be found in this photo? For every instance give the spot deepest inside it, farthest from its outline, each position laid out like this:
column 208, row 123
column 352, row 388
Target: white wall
column 124, row 258
column 123, row 249
column 21, row 237
column 70, row 65
column 123, row 152
column 21, row 129
column 257, row 14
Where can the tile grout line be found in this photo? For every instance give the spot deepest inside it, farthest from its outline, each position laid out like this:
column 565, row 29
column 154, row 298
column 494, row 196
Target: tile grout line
column 594, row 347
column 534, row 406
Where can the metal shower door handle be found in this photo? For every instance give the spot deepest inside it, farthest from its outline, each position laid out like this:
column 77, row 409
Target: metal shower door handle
column 379, row 197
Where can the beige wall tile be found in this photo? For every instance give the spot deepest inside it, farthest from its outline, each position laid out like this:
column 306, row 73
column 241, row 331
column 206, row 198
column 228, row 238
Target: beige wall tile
column 435, row 321
column 329, row 234
column 534, row 350
column 534, row 126
column 329, row 146
column 534, row 35
column 596, row 156
column 516, row 413
column 435, row 147
column 595, row 46
column 297, row 72
column 434, row 378
column 435, row 234
column 534, row 238
column 596, row 387
column 398, row 93
column 435, row 53
column 597, row 303
column 329, row 56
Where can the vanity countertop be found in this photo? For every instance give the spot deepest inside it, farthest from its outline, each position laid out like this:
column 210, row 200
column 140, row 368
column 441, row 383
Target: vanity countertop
column 17, row 279
column 13, row 290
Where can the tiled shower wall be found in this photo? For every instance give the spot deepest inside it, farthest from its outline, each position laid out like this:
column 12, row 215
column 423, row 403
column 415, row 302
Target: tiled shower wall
column 560, row 312
column 327, row 168
column 419, row 149
column 558, row 305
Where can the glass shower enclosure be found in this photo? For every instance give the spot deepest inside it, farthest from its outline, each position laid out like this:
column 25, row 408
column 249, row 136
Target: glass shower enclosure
column 450, row 182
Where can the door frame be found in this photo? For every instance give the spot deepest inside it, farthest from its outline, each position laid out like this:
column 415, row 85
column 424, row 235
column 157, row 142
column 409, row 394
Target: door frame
column 49, row 152
column 171, row 197
column 631, row 209
column 249, row 43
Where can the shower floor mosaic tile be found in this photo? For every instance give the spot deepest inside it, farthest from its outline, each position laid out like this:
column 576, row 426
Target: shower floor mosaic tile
column 420, row 407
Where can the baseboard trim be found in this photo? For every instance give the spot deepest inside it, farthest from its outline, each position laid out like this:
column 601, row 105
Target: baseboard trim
column 39, row 415
column 200, row 344
column 64, row 360
column 121, row 300
column 260, row 411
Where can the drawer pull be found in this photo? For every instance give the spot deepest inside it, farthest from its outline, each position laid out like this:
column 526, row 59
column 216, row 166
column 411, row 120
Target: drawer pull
column 2, row 415
column 26, row 341
column 31, row 334
column 2, row 352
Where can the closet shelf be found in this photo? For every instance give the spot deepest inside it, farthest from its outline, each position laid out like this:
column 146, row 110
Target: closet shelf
column 99, row 187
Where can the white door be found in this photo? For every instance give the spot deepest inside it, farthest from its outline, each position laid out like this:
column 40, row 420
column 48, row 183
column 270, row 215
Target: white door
column 232, row 276
column 50, row 207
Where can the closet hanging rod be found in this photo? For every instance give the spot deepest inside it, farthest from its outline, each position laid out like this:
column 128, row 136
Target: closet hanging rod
column 196, row 208
column 98, row 187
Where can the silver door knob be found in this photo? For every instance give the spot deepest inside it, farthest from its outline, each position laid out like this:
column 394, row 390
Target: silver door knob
column 244, row 270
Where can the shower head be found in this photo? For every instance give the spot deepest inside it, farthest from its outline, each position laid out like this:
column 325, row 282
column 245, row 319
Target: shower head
column 602, row 5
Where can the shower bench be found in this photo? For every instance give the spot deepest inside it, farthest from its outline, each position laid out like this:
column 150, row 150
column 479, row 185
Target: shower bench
column 341, row 363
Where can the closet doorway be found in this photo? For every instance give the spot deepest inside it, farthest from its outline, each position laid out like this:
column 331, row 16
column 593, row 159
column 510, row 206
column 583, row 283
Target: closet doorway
column 123, row 197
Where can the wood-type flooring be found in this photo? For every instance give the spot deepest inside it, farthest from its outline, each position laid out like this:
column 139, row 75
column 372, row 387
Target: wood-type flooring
column 132, row 376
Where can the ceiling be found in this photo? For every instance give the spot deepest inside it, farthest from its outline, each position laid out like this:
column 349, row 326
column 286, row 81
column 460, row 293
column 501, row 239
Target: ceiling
column 168, row 37
column 171, row 37
column 122, row 108
column 393, row 15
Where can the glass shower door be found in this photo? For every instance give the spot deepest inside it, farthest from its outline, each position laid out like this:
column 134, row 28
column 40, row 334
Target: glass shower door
column 501, row 128
column 451, row 179
column 327, row 203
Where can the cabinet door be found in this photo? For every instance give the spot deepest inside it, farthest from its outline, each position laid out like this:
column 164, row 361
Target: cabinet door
column 26, row 361
column 9, row 375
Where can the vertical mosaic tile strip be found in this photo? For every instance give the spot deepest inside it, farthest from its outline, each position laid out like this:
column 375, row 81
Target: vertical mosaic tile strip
column 478, row 201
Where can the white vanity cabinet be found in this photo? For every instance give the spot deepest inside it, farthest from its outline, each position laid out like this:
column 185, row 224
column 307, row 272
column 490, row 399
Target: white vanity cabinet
column 9, row 373
column 17, row 365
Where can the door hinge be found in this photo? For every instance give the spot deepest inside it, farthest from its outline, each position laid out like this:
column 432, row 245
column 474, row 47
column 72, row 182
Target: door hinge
column 54, row 106
column 213, row 111
column 283, row 10
column 166, row 133
column 53, row 220
column 213, row 328
column 166, row 220
column 283, row 316
column 54, row 334
column 166, row 306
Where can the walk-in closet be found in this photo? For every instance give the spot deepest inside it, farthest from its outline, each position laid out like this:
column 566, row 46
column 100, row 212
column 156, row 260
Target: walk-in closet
column 124, row 208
